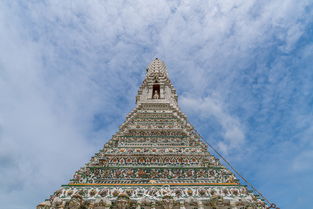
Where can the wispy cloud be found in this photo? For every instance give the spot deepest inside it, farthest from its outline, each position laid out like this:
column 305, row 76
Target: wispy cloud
column 69, row 72
column 232, row 131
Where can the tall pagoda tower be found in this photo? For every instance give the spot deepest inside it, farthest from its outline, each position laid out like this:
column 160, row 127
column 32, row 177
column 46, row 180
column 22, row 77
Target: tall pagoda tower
column 155, row 161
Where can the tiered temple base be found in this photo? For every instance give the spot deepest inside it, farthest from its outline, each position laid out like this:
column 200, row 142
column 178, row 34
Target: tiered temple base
column 154, row 196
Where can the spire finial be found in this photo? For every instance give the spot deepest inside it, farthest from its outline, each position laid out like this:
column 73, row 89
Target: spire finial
column 157, row 68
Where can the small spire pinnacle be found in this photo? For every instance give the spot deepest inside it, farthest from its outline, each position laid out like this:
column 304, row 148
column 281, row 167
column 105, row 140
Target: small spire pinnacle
column 157, row 86
column 157, row 68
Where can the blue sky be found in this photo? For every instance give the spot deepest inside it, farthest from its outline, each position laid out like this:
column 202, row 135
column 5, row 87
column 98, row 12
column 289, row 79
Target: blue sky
column 70, row 70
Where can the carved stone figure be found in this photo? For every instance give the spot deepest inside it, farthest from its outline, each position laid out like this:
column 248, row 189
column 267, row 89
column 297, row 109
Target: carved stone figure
column 123, row 201
column 58, row 203
column 200, row 205
column 167, row 202
column 182, row 205
column 102, row 203
column 44, row 205
column 156, row 95
column 76, row 202
column 216, row 200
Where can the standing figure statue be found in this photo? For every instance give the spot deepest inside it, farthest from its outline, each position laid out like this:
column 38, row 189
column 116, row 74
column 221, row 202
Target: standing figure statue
column 156, row 95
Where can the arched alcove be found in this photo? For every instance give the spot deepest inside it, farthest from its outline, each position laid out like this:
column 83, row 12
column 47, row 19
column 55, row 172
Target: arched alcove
column 156, row 91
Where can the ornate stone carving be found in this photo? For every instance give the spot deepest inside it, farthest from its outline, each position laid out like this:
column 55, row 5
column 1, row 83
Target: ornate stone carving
column 57, row 203
column 102, row 203
column 76, row 202
column 44, row 205
column 156, row 95
column 168, row 202
column 123, row 201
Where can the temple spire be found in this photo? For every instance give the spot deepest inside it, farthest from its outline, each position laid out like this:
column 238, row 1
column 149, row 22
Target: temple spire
column 156, row 160
column 157, row 87
column 157, row 68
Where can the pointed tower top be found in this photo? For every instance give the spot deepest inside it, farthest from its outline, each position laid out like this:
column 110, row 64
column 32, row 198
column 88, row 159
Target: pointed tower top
column 157, row 87
column 157, row 68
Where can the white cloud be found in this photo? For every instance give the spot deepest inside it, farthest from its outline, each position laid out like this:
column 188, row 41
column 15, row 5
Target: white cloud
column 205, row 108
column 62, row 63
